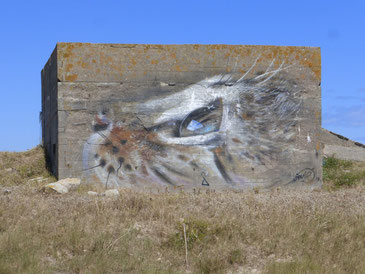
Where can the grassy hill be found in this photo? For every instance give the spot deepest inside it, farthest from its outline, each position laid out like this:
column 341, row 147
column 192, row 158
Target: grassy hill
column 253, row 232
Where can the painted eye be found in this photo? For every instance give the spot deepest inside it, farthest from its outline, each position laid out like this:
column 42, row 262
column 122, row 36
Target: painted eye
column 202, row 120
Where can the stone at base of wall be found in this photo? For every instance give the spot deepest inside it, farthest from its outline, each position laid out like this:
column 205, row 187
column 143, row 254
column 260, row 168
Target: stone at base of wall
column 345, row 153
column 62, row 186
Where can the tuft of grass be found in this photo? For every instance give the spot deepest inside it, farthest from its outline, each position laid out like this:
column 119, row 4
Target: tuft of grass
column 196, row 231
column 340, row 173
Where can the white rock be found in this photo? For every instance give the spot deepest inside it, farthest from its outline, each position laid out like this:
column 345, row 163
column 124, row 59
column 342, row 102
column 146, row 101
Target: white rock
column 55, row 187
column 92, row 193
column 70, row 183
column 62, row 186
column 111, row 192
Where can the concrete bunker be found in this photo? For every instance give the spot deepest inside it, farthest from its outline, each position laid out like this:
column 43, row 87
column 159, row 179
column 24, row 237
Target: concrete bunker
column 183, row 116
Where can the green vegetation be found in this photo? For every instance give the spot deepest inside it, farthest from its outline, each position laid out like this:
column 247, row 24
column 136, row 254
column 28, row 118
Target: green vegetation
column 269, row 232
column 340, row 173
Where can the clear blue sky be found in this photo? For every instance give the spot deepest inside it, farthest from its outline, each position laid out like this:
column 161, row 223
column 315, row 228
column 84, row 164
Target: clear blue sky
column 30, row 29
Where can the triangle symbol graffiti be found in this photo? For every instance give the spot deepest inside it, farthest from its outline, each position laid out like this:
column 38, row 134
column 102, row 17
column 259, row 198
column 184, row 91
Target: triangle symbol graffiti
column 205, row 182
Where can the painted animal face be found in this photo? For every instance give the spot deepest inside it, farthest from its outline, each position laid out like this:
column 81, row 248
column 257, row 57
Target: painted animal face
column 220, row 132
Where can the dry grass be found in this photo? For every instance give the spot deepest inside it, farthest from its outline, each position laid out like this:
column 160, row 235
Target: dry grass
column 18, row 168
column 272, row 232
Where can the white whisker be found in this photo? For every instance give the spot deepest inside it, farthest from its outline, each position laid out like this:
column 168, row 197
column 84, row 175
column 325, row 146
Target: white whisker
column 269, row 67
column 223, row 75
column 274, row 73
column 233, row 71
column 247, row 72
column 269, row 72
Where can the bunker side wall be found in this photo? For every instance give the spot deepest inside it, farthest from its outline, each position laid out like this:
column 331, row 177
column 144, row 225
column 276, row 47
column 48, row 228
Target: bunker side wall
column 49, row 115
column 341, row 147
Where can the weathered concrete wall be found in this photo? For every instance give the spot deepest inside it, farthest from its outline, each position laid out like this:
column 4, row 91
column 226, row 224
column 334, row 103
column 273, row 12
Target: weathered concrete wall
column 213, row 116
column 49, row 112
column 341, row 147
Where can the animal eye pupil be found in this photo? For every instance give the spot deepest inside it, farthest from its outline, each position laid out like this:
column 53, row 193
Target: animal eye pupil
column 194, row 125
column 202, row 120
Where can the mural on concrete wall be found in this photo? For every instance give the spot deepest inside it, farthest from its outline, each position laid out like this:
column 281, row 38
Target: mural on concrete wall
column 220, row 131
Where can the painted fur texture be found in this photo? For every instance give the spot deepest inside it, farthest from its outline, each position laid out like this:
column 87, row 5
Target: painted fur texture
column 219, row 132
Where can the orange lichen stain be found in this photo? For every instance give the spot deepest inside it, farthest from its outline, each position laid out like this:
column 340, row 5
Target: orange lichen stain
column 228, row 54
column 236, row 51
column 145, row 72
column 71, row 77
column 177, row 68
column 133, row 61
column 314, row 64
column 173, row 55
column 318, row 146
column 196, row 47
column 211, row 53
column 115, row 67
column 98, row 70
column 213, row 63
column 68, row 67
column 94, row 61
column 242, row 71
column 146, row 48
column 228, row 69
column 109, row 59
column 154, row 62
column 317, row 114
column 105, row 59
column 85, row 65
column 67, row 48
